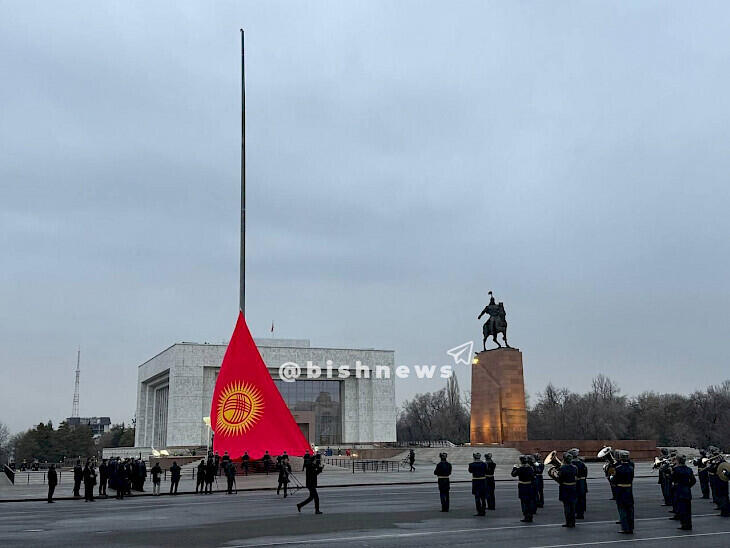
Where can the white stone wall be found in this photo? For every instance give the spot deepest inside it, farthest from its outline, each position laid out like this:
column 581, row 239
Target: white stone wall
column 368, row 404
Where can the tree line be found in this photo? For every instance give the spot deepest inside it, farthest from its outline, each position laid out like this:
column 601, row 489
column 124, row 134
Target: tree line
column 48, row 444
column 603, row 412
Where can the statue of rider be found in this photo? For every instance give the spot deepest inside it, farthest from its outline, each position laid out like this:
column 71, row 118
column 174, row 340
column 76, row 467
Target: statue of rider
column 497, row 322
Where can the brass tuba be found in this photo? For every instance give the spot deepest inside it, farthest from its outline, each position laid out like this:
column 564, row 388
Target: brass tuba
column 554, row 463
column 607, row 454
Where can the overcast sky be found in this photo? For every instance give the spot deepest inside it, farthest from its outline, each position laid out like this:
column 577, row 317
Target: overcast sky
column 403, row 159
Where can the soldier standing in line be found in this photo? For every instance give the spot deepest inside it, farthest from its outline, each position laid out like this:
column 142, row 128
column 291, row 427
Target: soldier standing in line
column 78, row 478
column 442, row 472
column 532, row 463
column 525, row 475
column 267, row 462
column 581, row 483
column 156, row 473
column 568, row 490
column 200, row 476
column 683, row 478
column 665, row 476
column 89, row 481
column 52, row 481
column 703, row 475
column 313, row 469
column 478, row 471
column 244, row 463
column 103, row 477
column 174, row 477
column 622, row 480
column 539, row 482
column 490, row 487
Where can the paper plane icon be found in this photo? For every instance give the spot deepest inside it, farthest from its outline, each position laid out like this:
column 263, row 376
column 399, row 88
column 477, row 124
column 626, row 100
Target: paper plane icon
column 462, row 353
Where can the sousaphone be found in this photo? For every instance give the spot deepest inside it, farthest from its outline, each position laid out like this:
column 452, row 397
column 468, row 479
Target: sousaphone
column 723, row 471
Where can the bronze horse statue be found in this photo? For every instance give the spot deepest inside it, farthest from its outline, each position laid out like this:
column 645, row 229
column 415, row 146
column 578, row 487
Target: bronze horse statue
column 496, row 324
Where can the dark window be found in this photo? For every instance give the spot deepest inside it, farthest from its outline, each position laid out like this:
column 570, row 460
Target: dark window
column 321, row 397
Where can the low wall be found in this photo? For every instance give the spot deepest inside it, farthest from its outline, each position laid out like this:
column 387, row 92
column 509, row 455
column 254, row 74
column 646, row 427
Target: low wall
column 639, row 449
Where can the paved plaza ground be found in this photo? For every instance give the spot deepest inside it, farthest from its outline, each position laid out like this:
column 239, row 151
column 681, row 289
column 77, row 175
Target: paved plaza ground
column 376, row 516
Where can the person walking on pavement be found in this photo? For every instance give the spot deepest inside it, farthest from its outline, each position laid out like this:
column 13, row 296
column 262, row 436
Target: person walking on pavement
column 314, row 468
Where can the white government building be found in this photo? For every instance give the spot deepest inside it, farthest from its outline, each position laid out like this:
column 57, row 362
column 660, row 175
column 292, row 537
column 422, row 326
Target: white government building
column 175, row 390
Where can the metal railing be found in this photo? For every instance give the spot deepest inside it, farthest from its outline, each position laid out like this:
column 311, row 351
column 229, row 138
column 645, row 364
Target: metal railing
column 357, row 465
column 424, row 444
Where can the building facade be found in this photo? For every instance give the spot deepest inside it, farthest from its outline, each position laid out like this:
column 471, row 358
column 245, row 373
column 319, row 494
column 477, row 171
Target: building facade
column 175, row 390
column 98, row 425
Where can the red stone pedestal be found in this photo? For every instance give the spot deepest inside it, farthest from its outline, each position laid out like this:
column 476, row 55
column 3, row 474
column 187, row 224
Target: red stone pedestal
column 498, row 412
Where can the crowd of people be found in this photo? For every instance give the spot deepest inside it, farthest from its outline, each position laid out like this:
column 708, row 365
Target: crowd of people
column 127, row 475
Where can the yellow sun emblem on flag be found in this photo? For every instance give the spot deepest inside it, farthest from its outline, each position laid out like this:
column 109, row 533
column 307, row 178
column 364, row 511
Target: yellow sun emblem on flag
column 239, row 406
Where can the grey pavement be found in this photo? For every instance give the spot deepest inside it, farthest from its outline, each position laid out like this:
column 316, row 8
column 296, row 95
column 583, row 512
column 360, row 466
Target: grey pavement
column 375, row 516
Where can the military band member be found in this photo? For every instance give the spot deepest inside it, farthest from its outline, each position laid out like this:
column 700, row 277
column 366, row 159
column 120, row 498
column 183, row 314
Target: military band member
column 665, row 478
column 581, row 483
column 525, row 475
column 623, row 479
column 712, row 475
column 442, row 472
column 702, row 474
column 721, row 484
column 683, row 479
column 539, row 481
column 491, row 466
column 478, row 471
column 568, row 493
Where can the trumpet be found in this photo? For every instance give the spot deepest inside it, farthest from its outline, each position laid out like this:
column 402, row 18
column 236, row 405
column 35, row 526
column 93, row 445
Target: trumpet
column 554, row 462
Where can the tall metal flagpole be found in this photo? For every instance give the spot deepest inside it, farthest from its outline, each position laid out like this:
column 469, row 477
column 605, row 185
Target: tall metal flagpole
column 242, row 297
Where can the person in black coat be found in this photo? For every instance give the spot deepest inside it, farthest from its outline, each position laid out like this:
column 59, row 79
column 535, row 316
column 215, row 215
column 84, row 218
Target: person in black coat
column 478, row 471
column 313, row 469
column 267, row 462
column 103, row 477
column 525, row 475
column 141, row 474
column 683, row 479
column 200, row 477
column 89, row 481
column 229, row 469
column 412, row 460
column 156, row 478
column 174, row 477
column 78, row 478
column 52, row 481
column 210, row 469
column 245, row 462
column 568, row 491
column 442, row 472
column 284, row 471
column 622, row 480
column 491, row 466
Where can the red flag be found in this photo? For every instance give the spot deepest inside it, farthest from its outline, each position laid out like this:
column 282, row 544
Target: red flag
column 248, row 412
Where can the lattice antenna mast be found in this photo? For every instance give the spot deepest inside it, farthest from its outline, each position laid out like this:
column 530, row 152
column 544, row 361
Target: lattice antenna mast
column 75, row 410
